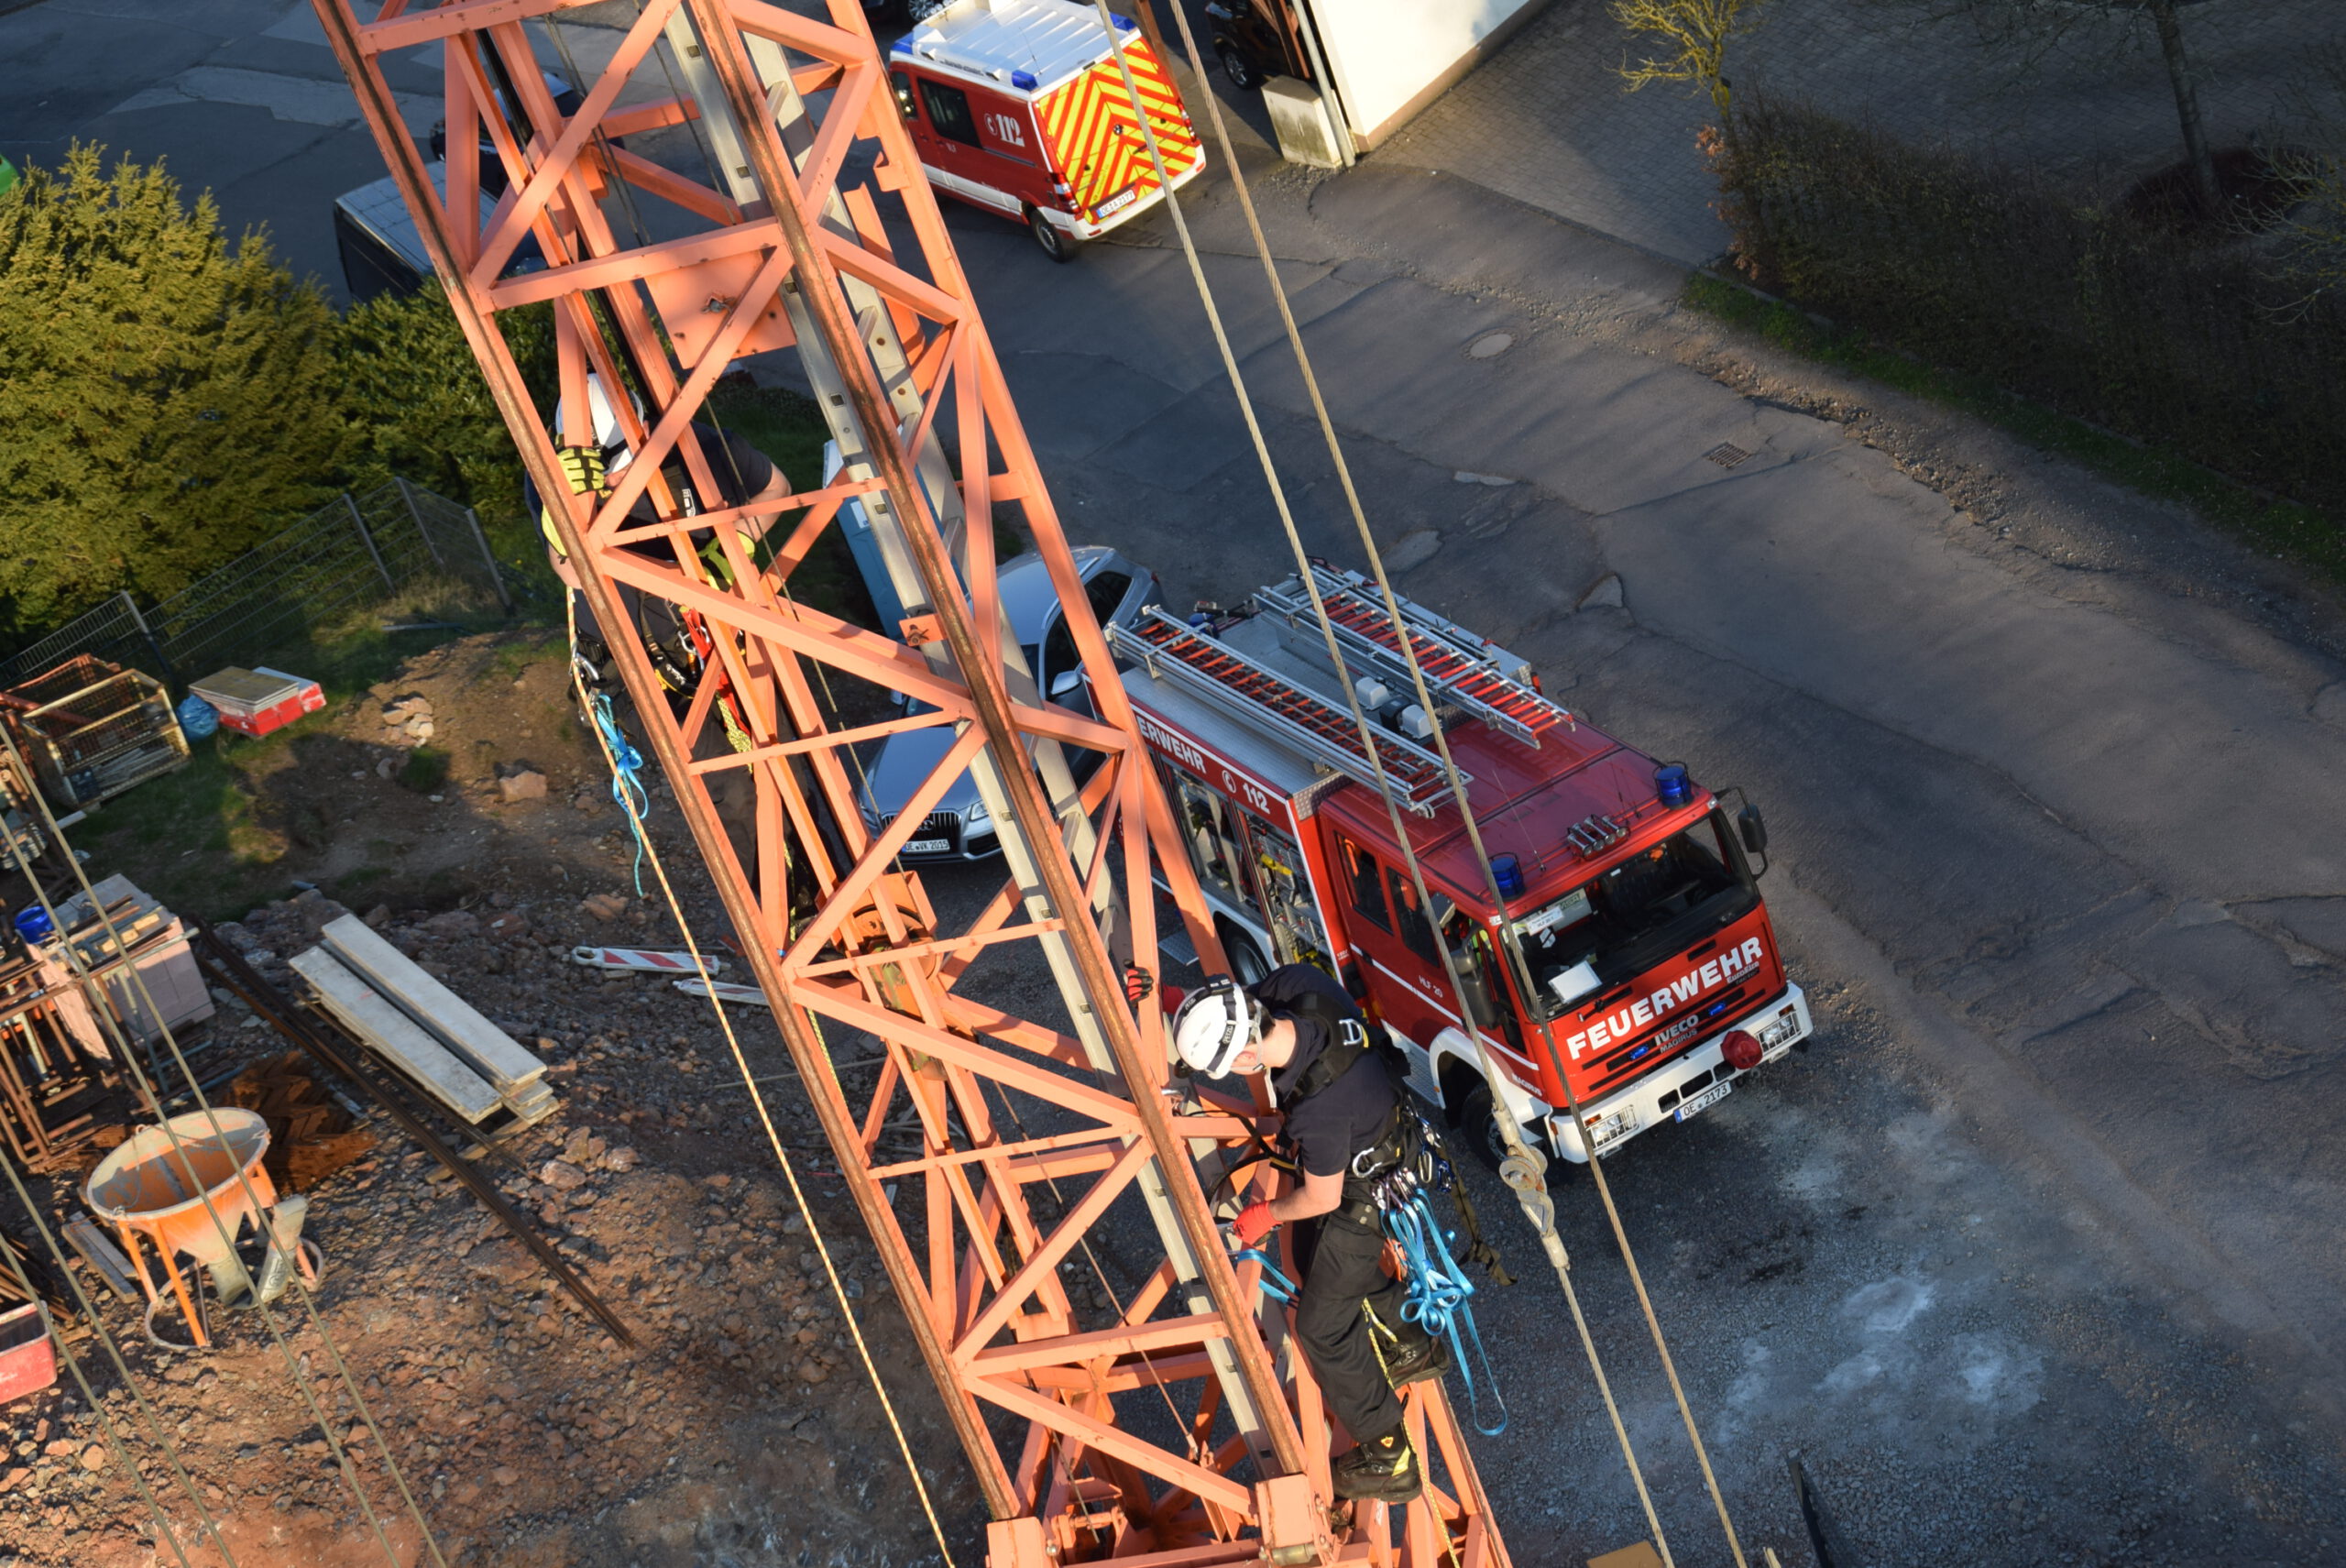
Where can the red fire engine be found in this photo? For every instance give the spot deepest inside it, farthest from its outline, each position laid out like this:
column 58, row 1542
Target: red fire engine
column 1649, row 948
column 1018, row 106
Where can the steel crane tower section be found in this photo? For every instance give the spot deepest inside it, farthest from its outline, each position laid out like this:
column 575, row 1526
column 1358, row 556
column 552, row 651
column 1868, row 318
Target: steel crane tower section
column 1181, row 1428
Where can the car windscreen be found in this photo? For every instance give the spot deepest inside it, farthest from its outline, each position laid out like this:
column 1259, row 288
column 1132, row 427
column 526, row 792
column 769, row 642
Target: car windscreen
column 1631, row 914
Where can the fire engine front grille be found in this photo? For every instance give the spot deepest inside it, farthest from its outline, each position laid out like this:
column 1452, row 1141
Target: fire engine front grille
column 945, row 825
column 1640, row 1055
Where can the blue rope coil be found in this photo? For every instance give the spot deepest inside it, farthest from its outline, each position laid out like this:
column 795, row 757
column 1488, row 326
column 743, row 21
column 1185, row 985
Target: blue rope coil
column 626, row 787
column 1436, row 1303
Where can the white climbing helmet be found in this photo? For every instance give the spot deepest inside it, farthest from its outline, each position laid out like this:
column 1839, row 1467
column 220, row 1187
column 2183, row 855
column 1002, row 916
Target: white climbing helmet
column 1216, row 1022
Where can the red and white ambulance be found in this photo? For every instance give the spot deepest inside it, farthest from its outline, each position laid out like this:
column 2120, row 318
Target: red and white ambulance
column 1629, row 884
column 1018, row 106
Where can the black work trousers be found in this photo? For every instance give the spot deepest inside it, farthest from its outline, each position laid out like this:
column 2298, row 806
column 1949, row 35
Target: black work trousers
column 1340, row 1274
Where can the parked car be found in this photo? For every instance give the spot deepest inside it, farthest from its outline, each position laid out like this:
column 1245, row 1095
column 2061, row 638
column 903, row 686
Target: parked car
column 381, row 248
column 566, row 100
column 1256, row 40
column 958, row 828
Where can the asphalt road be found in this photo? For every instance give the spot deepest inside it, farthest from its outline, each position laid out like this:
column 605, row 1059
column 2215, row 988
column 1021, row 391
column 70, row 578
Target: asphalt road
column 2033, row 1256
column 240, row 98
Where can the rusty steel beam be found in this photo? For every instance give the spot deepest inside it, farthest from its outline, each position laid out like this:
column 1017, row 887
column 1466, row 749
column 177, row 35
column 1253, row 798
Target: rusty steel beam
column 741, row 119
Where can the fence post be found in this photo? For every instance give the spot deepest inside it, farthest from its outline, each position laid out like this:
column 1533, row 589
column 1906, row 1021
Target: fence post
column 170, row 676
column 496, row 578
column 367, row 539
column 415, row 515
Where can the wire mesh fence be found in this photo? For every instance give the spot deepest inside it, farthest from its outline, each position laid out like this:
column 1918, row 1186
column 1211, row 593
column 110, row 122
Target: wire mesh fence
column 354, row 552
column 2206, row 347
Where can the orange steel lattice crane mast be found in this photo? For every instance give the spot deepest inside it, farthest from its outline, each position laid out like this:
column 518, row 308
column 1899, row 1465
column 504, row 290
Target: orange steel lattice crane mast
column 1184, row 1427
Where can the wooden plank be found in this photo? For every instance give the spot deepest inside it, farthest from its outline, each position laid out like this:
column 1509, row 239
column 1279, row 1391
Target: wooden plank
column 396, row 1038
column 491, row 1051
column 100, row 1255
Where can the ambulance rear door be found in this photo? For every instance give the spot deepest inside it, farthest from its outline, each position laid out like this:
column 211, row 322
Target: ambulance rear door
column 1093, row 136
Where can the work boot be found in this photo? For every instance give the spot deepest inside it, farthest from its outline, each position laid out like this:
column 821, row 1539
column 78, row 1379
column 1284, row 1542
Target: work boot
column 1416, row 1361
column 1384, row 1470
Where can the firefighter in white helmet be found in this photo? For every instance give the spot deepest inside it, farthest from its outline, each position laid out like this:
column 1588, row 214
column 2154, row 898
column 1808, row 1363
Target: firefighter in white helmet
column 1344, row 1127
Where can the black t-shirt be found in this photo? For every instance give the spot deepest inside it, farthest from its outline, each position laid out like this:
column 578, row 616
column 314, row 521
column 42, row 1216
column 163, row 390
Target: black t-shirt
column 1345, row 1118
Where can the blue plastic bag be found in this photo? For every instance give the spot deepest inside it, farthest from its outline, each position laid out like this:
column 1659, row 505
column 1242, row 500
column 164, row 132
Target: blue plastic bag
column 198, row 719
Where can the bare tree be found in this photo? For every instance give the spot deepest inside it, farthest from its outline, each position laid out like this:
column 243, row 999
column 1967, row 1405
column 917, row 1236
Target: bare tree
column 1689, row 40
column 2311, row 236
column 2035, row 26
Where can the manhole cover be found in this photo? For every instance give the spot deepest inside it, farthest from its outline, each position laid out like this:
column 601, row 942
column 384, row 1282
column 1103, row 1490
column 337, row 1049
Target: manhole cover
column 1726, row 455
column 1490, row 345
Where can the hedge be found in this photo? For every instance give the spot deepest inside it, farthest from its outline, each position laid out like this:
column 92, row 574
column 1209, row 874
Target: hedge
column 2205, row 349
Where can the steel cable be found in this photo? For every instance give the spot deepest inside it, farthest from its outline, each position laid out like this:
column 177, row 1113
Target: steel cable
column 122, row 1370
column 608, row 737
column 774, row 1137
column 1526, row 1179
column 1458, row 788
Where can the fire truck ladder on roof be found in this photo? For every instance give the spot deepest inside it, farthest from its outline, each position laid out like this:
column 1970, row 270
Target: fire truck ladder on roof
column 1242, row 686
column 1458, row 664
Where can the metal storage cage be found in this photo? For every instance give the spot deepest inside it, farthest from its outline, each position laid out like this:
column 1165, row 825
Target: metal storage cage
column 91, row 730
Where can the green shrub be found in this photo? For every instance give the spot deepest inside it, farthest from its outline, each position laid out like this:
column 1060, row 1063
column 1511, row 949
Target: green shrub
column 425, row 769
column 168, row 399
column 417, row 406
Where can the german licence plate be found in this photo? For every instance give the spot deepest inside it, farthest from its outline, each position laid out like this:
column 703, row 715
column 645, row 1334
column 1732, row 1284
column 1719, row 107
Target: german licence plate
column 1704, row 1100
column 927, row 845
column 1119, row 203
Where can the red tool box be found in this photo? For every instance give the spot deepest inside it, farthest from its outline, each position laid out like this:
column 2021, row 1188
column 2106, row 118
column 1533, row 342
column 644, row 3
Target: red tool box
column 28, row 1357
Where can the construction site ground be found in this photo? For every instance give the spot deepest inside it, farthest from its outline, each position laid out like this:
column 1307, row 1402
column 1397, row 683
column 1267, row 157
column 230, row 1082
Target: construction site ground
column 742, row 1427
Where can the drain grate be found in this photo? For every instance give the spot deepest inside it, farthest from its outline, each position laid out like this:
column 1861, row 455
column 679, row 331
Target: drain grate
column 1726, row 455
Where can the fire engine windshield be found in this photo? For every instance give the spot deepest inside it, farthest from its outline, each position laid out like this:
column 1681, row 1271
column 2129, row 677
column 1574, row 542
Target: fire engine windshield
column 1633, row 915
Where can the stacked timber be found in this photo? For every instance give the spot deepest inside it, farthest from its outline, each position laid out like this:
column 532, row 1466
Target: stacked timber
column 425, row 1031
column 311, row 1136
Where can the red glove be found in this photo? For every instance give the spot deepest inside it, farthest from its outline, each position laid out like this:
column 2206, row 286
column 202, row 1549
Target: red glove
column 1255, row 1223
column 1138, row 983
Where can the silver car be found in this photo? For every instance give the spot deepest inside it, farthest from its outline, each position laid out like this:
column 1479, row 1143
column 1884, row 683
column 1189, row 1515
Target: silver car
column 958, row 828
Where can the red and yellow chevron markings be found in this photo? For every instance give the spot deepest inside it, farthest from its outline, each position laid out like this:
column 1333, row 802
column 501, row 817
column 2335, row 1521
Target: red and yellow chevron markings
column 1095, row 136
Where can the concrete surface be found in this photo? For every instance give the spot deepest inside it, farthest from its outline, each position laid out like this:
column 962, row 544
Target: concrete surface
column 238, row 97
column 1548, row 122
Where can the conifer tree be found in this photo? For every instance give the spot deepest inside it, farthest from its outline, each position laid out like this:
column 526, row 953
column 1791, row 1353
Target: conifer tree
column 417, row 406
column 167, row 400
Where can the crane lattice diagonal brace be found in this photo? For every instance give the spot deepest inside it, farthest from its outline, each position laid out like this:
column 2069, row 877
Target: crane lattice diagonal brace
column 766, row 243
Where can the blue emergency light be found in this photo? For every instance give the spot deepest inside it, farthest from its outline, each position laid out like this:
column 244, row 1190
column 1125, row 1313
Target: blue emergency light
column 1023, row 80
column 1123, row 23
column 1509, row 874
column 1671, row 786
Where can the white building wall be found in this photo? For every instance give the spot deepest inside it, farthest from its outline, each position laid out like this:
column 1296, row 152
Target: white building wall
column 1387, row 54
